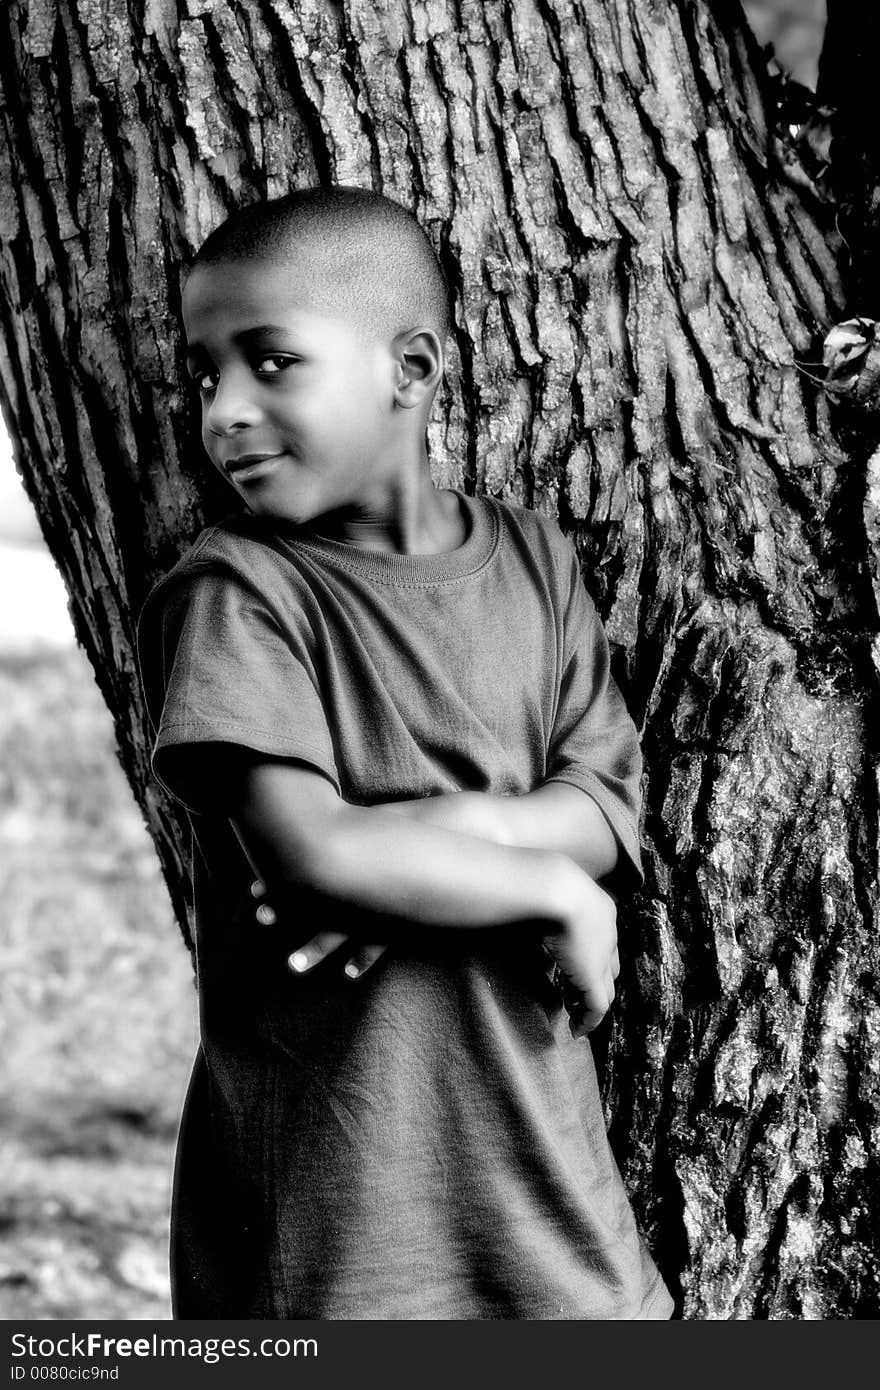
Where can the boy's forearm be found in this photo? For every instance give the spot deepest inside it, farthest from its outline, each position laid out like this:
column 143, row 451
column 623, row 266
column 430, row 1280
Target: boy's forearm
column 394, row 870
column 562, row 818
column 556, row 817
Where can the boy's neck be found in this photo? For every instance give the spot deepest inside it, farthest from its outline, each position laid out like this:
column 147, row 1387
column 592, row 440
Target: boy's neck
column 407, row 516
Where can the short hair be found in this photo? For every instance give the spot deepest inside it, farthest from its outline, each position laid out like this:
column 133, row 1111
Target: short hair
column 381, row 264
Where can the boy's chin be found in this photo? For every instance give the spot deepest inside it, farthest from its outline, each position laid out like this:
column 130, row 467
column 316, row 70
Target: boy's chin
column 284, row 511
column 304, row 511
column 280, row 516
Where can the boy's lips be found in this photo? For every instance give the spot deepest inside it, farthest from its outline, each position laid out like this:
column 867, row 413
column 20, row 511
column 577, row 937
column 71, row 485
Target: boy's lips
column 246, row 467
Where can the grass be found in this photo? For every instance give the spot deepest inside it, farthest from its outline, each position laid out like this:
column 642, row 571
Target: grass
column 97, row 1011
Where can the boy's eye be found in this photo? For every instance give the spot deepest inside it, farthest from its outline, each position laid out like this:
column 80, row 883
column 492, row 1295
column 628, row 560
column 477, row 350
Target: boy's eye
column 274, row 363
column 205, row 379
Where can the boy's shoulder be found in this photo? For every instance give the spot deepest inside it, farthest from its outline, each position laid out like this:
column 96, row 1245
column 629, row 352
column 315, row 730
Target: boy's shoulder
column 231, row 550
column 532, row 522
column 234, row 546
column 540, row 534
column 236, row 540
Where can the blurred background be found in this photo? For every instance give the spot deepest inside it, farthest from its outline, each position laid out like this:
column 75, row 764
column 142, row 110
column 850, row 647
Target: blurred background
column 97, row 1007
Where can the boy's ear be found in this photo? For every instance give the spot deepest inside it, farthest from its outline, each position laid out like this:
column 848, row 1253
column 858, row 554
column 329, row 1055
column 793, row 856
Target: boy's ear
column 419, row 361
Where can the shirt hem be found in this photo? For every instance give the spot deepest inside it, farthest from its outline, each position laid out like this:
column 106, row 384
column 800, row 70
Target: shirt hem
column 609, row 807
column 184, row 735
column 657, row 1305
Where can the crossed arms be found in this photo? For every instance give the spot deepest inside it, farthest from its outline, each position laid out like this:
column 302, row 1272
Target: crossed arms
column 467, row 861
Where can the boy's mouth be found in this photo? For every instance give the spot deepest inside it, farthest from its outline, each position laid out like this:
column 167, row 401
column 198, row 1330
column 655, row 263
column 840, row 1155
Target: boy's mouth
column 246, row 467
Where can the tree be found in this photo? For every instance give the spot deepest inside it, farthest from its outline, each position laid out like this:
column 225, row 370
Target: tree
column 643, row 275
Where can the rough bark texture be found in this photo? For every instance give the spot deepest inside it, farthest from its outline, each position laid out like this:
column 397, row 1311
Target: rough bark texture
column 636, row 281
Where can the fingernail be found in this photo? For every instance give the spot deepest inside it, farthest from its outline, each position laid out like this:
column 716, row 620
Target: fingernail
column 265, row 914
column 299, row 961
column 256, row 887
column 352, row 970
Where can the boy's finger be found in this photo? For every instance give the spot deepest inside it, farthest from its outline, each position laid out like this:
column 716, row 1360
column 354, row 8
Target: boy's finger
column 362, row 960
column 313, row 952
column 586, row 1022
column 266, row 915
column 258, row 888
column 594, row 1005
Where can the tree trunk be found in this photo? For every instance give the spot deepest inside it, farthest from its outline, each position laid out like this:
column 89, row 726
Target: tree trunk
column 636, row 283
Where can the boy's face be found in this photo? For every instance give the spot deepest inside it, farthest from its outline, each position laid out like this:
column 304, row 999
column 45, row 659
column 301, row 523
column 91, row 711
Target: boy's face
column 302, row 393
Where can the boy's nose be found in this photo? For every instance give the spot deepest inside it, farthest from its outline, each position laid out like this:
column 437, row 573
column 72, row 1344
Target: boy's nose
column 232, row 406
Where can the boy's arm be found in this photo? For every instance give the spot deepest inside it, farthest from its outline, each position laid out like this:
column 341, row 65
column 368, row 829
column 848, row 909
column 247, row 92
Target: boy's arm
column 557, row 817
column 396, row 875
column 298, row 833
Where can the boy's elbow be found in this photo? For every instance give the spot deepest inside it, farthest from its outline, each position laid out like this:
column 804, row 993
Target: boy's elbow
column 315, row 862
column 297, row 860
column 290, row 833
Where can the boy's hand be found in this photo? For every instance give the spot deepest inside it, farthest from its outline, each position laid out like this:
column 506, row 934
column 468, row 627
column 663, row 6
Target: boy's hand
column 586, row 951
column 306, row 957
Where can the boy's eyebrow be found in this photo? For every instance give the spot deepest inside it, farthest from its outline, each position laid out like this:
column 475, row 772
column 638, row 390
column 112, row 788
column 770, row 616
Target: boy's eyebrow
column 247, row 337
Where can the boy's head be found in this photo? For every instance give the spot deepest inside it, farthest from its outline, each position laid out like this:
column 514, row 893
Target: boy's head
column 366, row 257
column 315, row 327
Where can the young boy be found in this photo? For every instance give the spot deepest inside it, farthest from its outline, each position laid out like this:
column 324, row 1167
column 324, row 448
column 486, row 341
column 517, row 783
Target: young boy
column 392, row 703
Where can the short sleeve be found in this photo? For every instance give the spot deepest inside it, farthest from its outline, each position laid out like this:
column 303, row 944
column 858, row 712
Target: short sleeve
column 219, row 665
column 594, row 744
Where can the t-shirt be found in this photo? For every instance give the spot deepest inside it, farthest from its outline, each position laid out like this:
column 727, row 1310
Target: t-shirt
column 429, row 1142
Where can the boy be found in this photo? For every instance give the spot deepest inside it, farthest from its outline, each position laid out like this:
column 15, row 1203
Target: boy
column 393, row 704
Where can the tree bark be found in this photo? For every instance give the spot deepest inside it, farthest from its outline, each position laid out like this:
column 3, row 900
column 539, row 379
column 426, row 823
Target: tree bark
column 638, row 287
